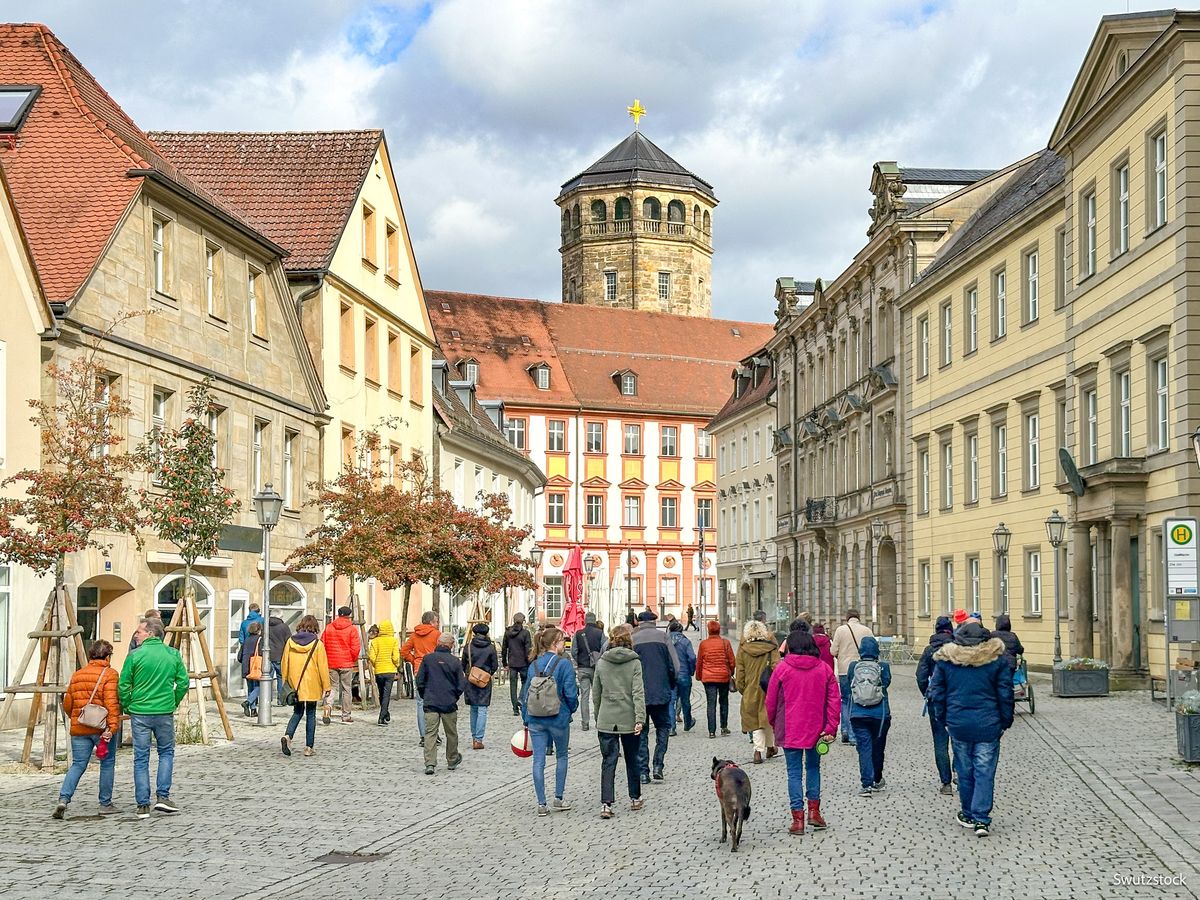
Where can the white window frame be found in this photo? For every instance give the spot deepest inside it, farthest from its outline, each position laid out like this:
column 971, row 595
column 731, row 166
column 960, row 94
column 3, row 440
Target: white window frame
column 595, row 430
column 556, row 436
column 664, row 285
column 593, row 510
column 947, row 450
column 1162, row 412
column 1091, row 406
column 1000, row 436
column 471, row 371
column 973, row 320
column 629, row 385
column 259, row 434
column 672, row 504
column 1031, row 286
column 669, row 441
column 610, row 286
column 972, row 468
column 948, row 583
column 1033, row 566
column 289, row 467
column 1089, row 233
column 158, row 252
column 556, row 508
column 514, row 430
column 1124, row 414
column 973, row 585
column 1033, row 443
column 947, row 334
column 632, row 438
column 926, row 588
column 210, row 277
column 631, row 511
column 1123, row 208
column 542, row 378
column 923, row 467
column 1159, row 142
column 923, row 346
column 1000, row 286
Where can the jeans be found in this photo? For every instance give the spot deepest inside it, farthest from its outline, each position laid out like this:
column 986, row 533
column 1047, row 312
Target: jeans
column 252, row 694
column 871, row 737
column 448, row 721
column 614, row 745
column 163, row 729
column 515, row 672
column 804, row 775
column 847, row 729
column 82, row 747
column 343, row 681
column 660, row 715
column 941, row 748
column 583, row 677
column 308, row 709
column 478, row 722
column 976, row 768
column 420, row 715
column 714, row 693
column 542, row 736
column 277, row 671
column 384, row 683
column 681, row 697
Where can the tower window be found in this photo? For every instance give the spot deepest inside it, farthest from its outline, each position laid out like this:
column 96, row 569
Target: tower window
column 651, row 214
column 622, row 213
column 610, row 286
column 664, row 285
column 676, row 217
column 575, row 216
column 599, row 211
column 707, row 223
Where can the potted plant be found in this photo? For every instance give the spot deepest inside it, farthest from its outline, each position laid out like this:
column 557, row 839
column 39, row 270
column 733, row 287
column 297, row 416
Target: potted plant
column 1081, row 676
column 1187, row 726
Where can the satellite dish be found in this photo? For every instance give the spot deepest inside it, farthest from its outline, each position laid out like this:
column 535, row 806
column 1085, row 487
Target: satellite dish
column 1078, row 482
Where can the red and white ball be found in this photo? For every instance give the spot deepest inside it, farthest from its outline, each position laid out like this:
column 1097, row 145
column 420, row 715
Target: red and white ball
column 522, row 744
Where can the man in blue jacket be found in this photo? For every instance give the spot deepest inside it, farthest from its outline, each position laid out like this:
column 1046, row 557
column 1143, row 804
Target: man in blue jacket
column 943, row 633
column 660, row 669
column 681, row 693
column 971, row 691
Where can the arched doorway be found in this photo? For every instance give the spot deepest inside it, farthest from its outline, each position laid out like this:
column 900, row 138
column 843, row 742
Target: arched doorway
column 167, row 595
column 887, row 621
column 106, row 608
column 787, row 591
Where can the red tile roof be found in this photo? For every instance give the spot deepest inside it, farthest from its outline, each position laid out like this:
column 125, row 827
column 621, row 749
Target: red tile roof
column 682, row 362
column 298, row 186
column 749, row 398
column 69, row 165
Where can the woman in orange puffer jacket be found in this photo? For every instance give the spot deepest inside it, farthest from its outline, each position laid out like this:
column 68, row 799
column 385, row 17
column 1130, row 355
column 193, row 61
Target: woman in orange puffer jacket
column 94, row 683
column 715, row 665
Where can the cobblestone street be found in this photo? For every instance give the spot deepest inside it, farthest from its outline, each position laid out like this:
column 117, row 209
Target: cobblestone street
column 1087, row 794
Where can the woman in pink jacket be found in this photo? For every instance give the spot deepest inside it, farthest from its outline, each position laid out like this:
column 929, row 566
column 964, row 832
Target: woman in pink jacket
column 803, row 706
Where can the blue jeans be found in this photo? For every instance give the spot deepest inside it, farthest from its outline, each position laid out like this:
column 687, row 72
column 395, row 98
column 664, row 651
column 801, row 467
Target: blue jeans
column 308, row 710
column 976, row 768
column 478, row 721
column 252, row 693
column 420, row 715
column 871, row 737
column 82, row 748
column 941, row 748
column 681, row 696
column 277, row 671
column 542, row 735
column 163, row 729
column 658, row 713
column 804, row 775
column 844, row 684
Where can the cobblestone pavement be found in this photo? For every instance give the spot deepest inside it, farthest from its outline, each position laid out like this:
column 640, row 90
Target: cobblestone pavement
column 1087, row 795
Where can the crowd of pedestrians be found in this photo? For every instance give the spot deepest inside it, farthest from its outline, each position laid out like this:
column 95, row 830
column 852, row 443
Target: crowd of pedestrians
column 797, row 695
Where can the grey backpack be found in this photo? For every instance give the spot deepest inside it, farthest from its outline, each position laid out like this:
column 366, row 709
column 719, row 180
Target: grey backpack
column 866, row 688
column 542, row 700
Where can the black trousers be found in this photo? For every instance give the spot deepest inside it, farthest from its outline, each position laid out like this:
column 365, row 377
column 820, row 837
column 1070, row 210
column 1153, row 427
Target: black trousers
column 714, row 693
column 660, row 715
column 515, row 672
column 611, row 746
column 384, row 683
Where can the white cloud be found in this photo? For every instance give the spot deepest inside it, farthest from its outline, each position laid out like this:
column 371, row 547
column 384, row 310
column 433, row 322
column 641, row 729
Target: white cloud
column 490, row 105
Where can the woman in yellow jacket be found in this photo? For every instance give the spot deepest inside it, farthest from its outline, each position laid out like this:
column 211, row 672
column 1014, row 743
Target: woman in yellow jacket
column 383, row 653
column 306, row 668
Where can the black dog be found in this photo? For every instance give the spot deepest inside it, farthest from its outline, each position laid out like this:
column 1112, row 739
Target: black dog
column 733, row 793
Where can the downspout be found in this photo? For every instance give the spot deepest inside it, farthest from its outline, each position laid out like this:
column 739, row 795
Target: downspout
column 793, row 488
column 312, row 290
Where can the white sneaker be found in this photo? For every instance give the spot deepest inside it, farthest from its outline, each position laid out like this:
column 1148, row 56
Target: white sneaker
column 559, row 805
column 543, row 810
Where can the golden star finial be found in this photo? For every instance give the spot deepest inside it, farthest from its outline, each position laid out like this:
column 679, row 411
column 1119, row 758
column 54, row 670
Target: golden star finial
column 636, row 111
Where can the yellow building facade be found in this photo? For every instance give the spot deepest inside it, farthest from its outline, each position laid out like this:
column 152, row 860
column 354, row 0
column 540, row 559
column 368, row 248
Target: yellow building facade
column 1052, row 334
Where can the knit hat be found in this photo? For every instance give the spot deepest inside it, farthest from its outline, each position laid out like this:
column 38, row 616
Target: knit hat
column 943, row 624
column 971, row 634
column 343, row 610
column 647, row 616
column 960, row 616
column 481, row 628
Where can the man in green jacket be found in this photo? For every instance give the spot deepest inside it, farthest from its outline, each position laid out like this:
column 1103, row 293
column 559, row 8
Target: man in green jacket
column 153, row 683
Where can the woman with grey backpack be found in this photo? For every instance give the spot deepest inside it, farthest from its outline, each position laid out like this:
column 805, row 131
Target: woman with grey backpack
column 870, row 713
column 548, row 700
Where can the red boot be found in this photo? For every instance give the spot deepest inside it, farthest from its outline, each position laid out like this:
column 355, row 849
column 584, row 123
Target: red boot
column 797, row 826
column 814, row 815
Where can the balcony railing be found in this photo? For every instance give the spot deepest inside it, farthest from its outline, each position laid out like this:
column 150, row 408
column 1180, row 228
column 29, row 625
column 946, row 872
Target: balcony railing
column 820, row 510
column 680, row 230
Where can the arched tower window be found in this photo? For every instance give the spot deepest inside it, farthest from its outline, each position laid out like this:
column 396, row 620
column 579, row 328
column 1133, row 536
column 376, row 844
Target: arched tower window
column 707, row 223
column 651, row 214
column 676, row 217
column 622, row 213
column 566, row 224
column 696, row 216
column 599, row 211
column 575, row 216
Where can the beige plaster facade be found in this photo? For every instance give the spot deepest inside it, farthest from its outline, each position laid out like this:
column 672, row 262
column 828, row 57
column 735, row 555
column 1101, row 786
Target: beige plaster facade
column 1103, row 366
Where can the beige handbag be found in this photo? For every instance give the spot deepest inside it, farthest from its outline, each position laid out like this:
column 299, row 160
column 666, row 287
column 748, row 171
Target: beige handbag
column 481, row 678
column 95, row 715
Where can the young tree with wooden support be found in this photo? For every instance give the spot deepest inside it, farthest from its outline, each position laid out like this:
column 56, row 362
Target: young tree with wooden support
column 77, row 497
column 187, row 504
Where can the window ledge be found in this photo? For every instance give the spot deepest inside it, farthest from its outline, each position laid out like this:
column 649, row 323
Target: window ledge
column 346, row 370
column 164, row 298
column 1159, row 452
column 970, row 504
column 391, row 281
column 373, row 382
column 1157, row 228
column 1034, row 617
column 259, row 340
column 371, row 266
column 945, row 365
column 967, row 354
column 924, row 615
column 999, row 498
column 416, row 403
column 217, row 322
column 1085, row 278
column 997, row 340
column 1027, row 325
column 1025, row 492
column 395, row 394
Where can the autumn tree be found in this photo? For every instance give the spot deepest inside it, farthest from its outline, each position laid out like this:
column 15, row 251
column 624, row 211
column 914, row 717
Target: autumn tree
column 484, row 549
column 188, row 503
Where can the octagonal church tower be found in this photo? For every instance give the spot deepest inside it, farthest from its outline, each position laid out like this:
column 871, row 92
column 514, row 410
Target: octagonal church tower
column 637, row 232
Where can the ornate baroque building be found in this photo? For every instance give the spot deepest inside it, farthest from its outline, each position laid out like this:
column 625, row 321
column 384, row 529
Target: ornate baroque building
column 637, row 233
column 840, row 436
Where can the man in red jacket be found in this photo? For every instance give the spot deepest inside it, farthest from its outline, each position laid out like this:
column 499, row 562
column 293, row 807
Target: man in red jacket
column 343, row 645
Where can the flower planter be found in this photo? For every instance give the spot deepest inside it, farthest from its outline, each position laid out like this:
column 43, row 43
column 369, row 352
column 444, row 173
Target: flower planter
column 1187, row 730
column 1080, row 682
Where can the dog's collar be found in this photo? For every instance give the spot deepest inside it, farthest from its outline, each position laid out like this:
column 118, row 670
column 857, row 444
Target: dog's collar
column 727, row 765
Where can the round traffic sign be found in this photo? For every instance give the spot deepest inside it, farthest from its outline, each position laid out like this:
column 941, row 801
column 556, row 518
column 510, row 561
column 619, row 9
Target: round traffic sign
column 1181, row 534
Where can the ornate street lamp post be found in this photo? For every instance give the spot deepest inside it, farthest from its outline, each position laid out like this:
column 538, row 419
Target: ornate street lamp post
column 877, row 532
column 1056, row 527
column 1000, row 540
column 535, row 557
column 267, row 506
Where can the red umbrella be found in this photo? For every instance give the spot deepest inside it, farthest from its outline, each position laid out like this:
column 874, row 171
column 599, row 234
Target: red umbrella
column 572, row 618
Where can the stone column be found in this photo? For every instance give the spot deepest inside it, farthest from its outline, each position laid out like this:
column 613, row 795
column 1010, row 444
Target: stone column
column 1121, row 617
column 1104, row 595
column 1081, row 590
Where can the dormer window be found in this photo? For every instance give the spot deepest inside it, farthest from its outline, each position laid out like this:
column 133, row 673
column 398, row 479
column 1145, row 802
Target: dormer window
column 15, row 102
column 471, row 371
column 541, row 376
column 628, row 384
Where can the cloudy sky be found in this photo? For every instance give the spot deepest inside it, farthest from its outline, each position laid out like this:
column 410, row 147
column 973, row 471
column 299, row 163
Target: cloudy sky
column 489, row 105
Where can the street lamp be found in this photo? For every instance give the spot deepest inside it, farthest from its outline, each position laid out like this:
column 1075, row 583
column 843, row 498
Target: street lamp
column 629, row 581
column 267, row 506
column 1056, row 527
column 1001, row 538
column 535, row 557
column 762, row 554
column 878, row 528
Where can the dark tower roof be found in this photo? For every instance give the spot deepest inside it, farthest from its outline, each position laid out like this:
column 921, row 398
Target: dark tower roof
column 637, row 159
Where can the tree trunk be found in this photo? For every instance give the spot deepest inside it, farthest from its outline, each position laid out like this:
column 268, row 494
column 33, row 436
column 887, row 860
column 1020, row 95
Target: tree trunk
column 404, row 615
